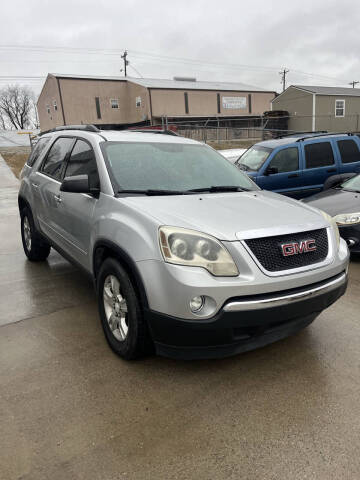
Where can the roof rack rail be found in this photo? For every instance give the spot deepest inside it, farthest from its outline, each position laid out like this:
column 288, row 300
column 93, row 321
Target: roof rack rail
column 350, row 134
column 295, row 134
column 153, row 130
column 86, row 128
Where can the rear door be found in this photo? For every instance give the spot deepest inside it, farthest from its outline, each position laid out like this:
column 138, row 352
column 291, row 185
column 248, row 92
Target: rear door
column 282, row 172
column 319, row 164
column 46, row 184
column 349, row 155
column 75, row 213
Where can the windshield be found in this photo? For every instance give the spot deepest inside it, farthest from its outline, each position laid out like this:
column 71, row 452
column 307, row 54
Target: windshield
column 170, row 167
column 254, row 158
column 352, row 184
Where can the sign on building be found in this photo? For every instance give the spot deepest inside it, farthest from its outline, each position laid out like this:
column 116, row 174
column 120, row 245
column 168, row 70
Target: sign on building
column 234, row 102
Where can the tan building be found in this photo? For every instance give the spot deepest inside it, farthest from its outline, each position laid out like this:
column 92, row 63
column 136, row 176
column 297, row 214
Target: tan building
column 311, row 108
column 113, row 102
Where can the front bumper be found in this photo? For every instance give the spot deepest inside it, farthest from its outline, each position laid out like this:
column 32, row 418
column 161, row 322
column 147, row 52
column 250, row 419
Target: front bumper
column 351, row 234
column 244, row 323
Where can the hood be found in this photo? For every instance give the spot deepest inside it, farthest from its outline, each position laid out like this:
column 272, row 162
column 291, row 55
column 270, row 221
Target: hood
column 231, row 216
column 335, row 201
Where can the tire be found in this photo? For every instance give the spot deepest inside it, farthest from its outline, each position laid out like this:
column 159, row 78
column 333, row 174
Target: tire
column 120, row 312
column 35, row 248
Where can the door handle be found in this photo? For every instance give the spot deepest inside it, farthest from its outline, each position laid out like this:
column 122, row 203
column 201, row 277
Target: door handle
column 331, row 170
column 35, row 185
column 293, row 175
column 57, row 198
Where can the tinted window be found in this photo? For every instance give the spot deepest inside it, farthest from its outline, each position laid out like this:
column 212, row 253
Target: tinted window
column 287, row 160
column 54, row 161
column 319, row 155
column 349, row 151
column 37, row 150
column 82, row 162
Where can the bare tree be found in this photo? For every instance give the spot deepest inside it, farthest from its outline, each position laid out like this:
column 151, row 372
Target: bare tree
column 2, row 122
column 17, row 106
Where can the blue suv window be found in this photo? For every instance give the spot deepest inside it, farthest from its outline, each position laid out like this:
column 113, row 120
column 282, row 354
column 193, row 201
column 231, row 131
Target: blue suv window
column 286, row 160
column 349, row 151
column 319, row 155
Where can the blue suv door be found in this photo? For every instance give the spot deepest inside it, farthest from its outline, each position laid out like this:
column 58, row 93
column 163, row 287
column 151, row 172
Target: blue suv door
column 320, row 163
column 349, row 155
column 282, row 172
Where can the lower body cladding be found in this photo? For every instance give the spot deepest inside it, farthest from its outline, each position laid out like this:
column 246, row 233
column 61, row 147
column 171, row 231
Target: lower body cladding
column 244, row 323
column 351, row 234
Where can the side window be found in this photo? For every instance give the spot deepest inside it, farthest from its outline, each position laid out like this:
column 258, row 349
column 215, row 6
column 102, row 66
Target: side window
column 82, row 162
column 54, row 161
column 319, row 155
column 37, row 150
column 286, row 160
column 349, row 151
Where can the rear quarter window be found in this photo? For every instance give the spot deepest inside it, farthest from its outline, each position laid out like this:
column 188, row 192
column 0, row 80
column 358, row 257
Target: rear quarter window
column 349, row 151
column 37, row 151
column 319, row 155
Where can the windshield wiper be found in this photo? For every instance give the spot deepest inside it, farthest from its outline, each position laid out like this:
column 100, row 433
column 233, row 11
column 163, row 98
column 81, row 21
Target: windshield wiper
column 151, row 192
column 221, row 188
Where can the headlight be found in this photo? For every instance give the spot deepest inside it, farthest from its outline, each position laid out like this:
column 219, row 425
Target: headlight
column 188, row 247
column 333, row 224
column 347, row 218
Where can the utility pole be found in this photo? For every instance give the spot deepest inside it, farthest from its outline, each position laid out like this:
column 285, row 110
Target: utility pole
column 283, row 77
column 353, row 83
column 126, row 62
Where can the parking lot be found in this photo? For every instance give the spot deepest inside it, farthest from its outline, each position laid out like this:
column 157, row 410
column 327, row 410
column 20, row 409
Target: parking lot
column 70, row 408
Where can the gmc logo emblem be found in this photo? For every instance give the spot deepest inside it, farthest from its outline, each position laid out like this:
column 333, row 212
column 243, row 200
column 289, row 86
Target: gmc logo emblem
column 294, row 248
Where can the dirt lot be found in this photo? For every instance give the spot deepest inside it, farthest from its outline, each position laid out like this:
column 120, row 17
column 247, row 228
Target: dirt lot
column 15, row 157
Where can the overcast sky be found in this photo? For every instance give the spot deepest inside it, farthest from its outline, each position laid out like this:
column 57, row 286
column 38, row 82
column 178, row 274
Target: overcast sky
column 224, row 40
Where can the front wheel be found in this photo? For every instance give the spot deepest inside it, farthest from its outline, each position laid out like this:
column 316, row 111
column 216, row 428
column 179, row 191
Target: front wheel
column 121, row 316
column 35, row 248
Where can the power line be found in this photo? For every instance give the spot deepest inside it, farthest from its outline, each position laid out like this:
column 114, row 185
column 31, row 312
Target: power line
column 148, row 55
column 353, row 83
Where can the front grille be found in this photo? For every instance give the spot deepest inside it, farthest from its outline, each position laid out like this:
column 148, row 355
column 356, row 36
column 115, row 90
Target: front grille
column 268, row 250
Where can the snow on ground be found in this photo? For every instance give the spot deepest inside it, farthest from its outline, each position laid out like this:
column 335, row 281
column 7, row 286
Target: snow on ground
column 13, row 138
column 232, row 154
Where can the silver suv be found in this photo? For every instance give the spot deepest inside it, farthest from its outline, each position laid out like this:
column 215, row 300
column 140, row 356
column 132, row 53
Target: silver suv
column 189, row 257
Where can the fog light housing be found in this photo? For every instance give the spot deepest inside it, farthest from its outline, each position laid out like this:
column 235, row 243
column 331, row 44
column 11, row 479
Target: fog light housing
column 197, row 303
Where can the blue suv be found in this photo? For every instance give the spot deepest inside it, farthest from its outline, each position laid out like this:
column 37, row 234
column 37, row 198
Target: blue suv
column 299, row 165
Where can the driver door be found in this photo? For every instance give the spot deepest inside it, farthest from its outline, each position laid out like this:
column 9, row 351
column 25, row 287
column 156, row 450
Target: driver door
column 282, row 173
column 76, row 213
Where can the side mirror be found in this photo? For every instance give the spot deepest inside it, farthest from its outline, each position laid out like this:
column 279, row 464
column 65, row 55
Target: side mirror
column 76, row 184
column 271, row 170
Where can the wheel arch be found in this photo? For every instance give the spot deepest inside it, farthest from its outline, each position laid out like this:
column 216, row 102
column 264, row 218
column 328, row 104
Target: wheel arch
column 23, row 203
column 104, row 249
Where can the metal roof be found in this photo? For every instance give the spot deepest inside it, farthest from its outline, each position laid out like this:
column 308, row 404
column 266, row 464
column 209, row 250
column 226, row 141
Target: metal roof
column 194, row 85
column 171, row 84
column 353, row 92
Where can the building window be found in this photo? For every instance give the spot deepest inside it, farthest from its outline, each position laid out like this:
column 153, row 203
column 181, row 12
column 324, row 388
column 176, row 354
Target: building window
column 138, row 101
column 186, row 102
column 339, row 108
column 97, row 104
column 48, row 109
column 249, row 102
column 55, row 105
column 114, row 102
